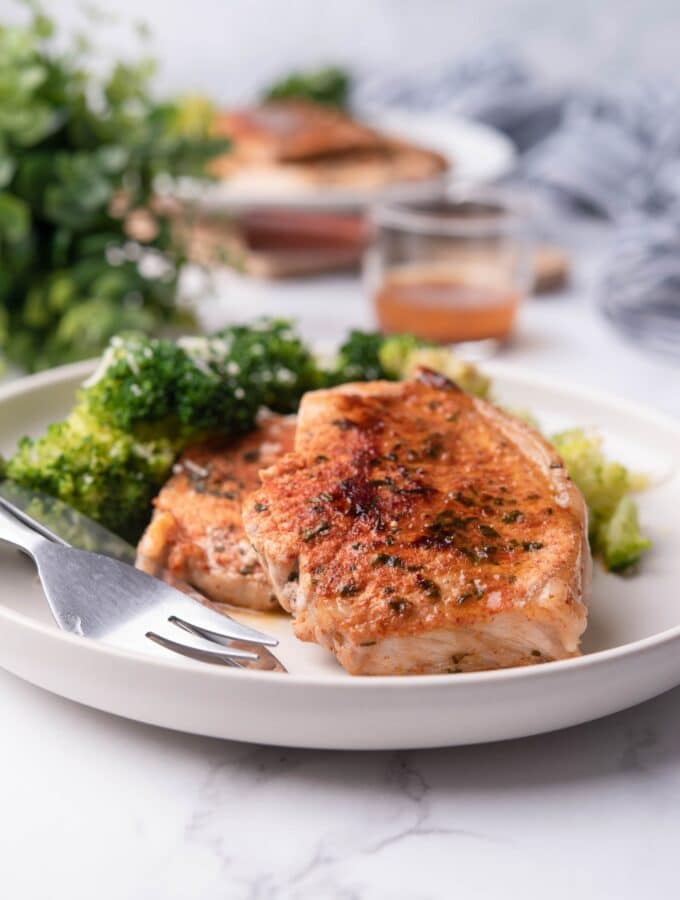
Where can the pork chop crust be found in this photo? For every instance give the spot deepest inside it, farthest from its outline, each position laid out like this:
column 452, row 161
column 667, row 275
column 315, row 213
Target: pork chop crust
column 197, row 533
column 418, row 529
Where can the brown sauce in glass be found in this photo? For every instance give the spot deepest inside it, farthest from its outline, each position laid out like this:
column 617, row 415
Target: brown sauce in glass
column 446, row 308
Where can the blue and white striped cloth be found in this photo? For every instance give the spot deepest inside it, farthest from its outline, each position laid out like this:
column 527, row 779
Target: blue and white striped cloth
column 610, row 152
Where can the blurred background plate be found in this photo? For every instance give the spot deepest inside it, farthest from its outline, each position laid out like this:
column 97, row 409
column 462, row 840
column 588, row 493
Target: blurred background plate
column 476, row 153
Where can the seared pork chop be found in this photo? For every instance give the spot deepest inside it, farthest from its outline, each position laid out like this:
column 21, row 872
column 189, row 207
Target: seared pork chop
column 418, row 529
column 197, row 533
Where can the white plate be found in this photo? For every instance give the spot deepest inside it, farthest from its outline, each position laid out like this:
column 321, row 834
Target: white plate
column 631, row 647
column 476, row 152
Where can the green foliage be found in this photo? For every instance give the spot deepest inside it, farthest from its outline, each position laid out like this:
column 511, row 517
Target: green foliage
column 329, row 86
column 614, row 530
column 79, row 156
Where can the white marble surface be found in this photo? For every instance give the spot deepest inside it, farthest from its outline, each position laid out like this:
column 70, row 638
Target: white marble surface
column 98, row 807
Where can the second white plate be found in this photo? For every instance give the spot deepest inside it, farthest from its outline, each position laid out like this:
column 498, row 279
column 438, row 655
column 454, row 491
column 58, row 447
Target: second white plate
column 477, row 154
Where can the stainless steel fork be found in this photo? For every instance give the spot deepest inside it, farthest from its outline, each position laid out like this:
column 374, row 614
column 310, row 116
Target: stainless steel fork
column 103, row 598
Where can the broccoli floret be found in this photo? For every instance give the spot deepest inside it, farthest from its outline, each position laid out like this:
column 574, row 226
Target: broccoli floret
column 603, row 483
column 229, row 376
column 135, row 382
column 178, row 390
column 274, row 363
column 103, row 472
column 208, row 393
column 395, row 352
column 619, row 539
column 147, row 400
column 367, row 355
column 613, row 525
column 183, row 390
column 465, row 374
column 358, row 359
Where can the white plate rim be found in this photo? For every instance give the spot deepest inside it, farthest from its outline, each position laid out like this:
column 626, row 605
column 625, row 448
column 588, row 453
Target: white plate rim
column 448, row 682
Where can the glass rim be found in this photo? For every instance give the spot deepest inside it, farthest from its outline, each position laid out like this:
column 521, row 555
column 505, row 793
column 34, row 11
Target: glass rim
column 513, row 210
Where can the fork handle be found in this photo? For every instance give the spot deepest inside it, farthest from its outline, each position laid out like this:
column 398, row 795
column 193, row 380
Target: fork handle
column 15, row 532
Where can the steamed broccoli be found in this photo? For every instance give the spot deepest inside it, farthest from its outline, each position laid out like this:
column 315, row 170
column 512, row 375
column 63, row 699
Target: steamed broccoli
column 465, row 374
column 134, row 382
column 619, row 539
column 197, row 385
column 275, row 364
column 102, row 471
column 602, row 483
column 399, row 355
column 358, row 358
column 146, row 401
column 614, row 531
column 367, row 355
column 396, row 351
